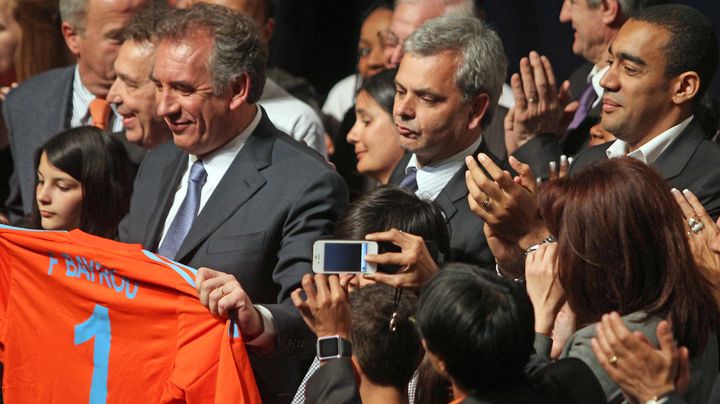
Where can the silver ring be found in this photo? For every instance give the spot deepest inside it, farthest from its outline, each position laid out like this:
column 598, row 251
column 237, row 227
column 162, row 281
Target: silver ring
column 692, row 222
column 697, row 227
column 531, row 100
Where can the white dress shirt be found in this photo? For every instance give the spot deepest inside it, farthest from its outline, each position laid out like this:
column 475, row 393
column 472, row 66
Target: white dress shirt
column 293, row 116
column 432, row 178
column 594, row 77
column 82, row 97
column 650, row 151
column 216, row 165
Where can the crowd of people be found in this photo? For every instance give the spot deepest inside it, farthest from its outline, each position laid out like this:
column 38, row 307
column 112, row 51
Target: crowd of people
column 542, row 241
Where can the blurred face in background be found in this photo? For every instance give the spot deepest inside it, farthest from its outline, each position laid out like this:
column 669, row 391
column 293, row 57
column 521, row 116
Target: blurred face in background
column 374, row 138
column 370, row 47
column 9, row 37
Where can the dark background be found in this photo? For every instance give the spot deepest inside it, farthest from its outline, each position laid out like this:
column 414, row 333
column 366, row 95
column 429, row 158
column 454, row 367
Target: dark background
column 317, row 39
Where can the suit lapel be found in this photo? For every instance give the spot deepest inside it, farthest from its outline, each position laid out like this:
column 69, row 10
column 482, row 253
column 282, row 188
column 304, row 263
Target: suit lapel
column 174, row 171
column 241, row 181
column 399, row 170
column 456, row 189
column 674, row 159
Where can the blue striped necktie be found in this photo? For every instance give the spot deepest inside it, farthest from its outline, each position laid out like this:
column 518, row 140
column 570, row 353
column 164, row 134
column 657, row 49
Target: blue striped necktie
column 185, row 216
column 409, row 181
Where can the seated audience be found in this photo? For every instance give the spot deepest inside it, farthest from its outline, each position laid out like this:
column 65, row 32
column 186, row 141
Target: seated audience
column 84, row 180
column 621, row 246
column 373, row 135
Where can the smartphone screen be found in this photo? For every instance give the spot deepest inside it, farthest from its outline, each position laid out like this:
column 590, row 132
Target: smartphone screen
column 337, row 256
column 345, row 257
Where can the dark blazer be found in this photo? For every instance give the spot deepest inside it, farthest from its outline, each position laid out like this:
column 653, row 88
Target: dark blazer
column 467, row 240
column 576, row 140
column 689, row 162
column 277, row 197
column 564, row 382
column 34, row 111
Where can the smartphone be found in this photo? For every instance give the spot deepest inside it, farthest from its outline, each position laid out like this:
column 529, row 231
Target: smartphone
column 338, row 256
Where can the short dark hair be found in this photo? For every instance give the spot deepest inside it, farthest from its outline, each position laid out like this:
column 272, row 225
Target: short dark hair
column 237, row 47
column 381, row 88
column 479, row 325
column 622, row 246
column 388, row 207
column 144, row 22
column 101, row 165
column 692, row 45
column 388, row 358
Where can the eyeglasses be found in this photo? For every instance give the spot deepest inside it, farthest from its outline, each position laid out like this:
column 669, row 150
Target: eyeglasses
column 388, row 39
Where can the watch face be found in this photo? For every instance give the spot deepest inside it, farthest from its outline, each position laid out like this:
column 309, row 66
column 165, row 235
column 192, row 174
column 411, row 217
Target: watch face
column 328, row 347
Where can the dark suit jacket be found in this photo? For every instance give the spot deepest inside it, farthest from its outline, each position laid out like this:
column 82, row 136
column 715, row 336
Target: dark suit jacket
column 576, row 140
column 35, row 111
column 277, row 197
column 565, row 382
column 467, row 240
column 689, row 162
column 544, row 148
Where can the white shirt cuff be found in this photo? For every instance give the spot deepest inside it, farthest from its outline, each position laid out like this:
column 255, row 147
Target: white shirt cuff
column 268, row 333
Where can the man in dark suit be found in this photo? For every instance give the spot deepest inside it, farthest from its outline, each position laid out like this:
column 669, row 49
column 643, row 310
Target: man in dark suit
column 231, row 192
column 440, row 117
column 595, row 23
column 651, row 90
column 59, row 99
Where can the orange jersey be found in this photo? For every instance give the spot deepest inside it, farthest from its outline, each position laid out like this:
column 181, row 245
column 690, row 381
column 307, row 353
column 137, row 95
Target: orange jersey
column 89, row 320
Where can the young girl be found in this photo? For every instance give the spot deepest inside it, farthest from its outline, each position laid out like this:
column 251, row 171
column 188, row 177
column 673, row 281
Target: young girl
column 84, row 180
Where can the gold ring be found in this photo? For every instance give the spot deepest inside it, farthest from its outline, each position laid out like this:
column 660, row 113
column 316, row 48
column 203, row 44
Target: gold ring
column 613, row 361
column 531, row 100
column 485, row 203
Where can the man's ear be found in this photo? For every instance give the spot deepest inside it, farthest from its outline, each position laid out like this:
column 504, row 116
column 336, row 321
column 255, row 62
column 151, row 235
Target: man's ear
column 72, row 37
column 267, row 30
column 240, row 91
column 685, row 87
column 611, row 13
column 478, row 107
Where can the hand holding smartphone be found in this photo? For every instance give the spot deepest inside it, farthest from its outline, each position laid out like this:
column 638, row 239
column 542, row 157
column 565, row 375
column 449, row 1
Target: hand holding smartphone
column 343, row 256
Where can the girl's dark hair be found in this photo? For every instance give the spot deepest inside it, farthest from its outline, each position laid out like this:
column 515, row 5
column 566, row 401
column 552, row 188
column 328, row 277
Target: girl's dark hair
column 622, row 246
column 101, row 165
column 381, row 87
column 388, row 207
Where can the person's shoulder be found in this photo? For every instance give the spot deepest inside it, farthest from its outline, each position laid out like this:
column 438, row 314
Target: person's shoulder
column 589, row 156
column 42, row 83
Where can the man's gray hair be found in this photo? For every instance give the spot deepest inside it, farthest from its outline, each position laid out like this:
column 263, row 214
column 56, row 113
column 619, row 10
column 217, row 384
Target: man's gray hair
column 464, row 8
column 629, row 7
column 483, row 66
column 237, row 45
column 73, row 12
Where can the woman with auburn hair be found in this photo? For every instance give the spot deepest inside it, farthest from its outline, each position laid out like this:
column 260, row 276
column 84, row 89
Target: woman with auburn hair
column 622, row 246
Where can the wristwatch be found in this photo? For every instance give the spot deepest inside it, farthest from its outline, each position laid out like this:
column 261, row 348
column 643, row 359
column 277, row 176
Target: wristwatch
column 333, row 347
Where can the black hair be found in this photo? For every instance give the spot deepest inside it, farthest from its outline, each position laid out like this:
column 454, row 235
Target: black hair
column 381, row 88
column 479, row 325
column 388, row 207
column 692, row 45
column 100, row 163
column 387, row 358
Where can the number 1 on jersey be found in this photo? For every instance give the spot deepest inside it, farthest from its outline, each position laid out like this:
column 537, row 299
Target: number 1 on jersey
column 98, row 326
